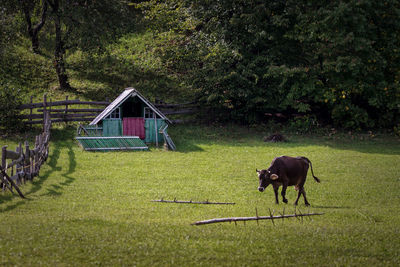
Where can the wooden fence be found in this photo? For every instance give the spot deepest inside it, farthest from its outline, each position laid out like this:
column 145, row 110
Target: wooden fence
column 24, row 164
column 64, row 111
column 61, row 111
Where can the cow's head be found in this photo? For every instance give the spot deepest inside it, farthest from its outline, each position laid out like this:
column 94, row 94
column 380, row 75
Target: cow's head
column 265, row 178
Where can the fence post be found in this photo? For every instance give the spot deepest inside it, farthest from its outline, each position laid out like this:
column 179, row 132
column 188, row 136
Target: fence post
column 18, row 166
column 32, row 166
column 40, row 149
column 27, row 162
column 66, row 110
column 37, row 154
column 3, row 163
column 31, row 109
column 4, row 157
column 44, row 102
column 44, row 108
column 45, row 115
column 49, row 111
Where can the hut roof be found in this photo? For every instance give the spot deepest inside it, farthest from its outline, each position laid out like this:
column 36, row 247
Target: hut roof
column 129, row 92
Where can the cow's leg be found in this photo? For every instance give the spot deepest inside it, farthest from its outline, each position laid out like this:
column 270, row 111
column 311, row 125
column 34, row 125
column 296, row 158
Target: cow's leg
column 298, row 196
column 283, row 193
column 276, row 195
column 305, row 198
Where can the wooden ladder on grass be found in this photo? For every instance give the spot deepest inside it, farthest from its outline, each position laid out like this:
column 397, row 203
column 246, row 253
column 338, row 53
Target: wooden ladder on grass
column 167, row 138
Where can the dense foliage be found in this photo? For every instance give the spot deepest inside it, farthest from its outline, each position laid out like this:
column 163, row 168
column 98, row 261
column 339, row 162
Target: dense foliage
column 335, row 62
column 10, row 99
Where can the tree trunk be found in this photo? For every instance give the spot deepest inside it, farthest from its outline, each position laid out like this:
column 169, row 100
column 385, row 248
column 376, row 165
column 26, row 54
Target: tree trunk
column 33, row 31
column 59, row 52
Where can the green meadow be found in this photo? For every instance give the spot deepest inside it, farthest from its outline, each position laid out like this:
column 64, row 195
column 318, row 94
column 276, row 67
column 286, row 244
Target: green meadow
column 90, row 208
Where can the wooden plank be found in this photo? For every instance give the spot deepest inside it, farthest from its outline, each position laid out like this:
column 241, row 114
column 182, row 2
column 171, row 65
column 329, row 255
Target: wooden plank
column 12, row 155
column 111, row 143
column 16, row 162
column 8, row 178
column 165, row 105
column 5, row 183
column 180, row 111
column 77, row 110
column 167, row 138
column 27, row 154
column 59, row 115
column 66, row 105
column 63, row 103
column 61, row 120
column 4, row 156
column 30, row 110
column 45, row 101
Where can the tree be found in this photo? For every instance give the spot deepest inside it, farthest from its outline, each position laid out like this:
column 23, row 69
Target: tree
column 85, row 25
column 337, row 60
column 33, row 30
column 8, row 27
column 60, row 48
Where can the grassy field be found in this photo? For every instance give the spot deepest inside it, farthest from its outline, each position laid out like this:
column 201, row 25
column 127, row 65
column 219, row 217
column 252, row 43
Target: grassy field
column 95, row 208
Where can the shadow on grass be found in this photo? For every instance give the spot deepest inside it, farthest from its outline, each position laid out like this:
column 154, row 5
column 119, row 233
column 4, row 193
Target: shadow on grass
column 188, row 146
column 13, row 206
column 52, row 162
column 57, row 189
column 189, row 138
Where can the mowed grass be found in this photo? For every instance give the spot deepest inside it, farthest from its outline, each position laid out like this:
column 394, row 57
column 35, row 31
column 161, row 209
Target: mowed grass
column 95, row 208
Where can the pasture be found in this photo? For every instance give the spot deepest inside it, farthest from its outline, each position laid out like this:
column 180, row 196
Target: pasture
column 95, row 208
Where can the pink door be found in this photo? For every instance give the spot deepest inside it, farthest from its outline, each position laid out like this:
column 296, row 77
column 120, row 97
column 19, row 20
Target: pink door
column 133, row 127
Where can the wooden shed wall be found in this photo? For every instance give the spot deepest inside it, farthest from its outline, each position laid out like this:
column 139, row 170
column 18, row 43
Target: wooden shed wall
column 151, row 131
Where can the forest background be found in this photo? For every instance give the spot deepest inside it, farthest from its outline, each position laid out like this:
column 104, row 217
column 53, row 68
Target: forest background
column 331, row 63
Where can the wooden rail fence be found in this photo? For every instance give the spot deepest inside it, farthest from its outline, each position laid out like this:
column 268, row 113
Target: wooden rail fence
column 61, row 111
column 24, row 164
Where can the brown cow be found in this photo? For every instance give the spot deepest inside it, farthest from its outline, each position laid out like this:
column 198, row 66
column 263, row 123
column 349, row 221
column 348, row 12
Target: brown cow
column 286, row 171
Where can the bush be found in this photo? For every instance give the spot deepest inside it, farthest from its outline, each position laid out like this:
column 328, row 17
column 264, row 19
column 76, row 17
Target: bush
column 396, row 130
column 303, row 125
column 10, row 99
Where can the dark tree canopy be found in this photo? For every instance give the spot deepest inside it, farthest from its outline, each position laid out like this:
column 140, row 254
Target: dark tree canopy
column 336, row 60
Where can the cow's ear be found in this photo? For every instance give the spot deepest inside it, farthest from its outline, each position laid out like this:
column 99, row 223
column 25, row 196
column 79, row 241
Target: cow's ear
column 257, row 171
column 274, row 176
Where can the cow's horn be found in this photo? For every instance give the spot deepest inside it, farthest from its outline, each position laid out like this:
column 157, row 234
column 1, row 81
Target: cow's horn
column 274, row 176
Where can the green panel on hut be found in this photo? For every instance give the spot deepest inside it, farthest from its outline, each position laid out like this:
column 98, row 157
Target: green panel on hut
column 151, row 132
column 93, row 130
column 112, row 127
column 92, row 143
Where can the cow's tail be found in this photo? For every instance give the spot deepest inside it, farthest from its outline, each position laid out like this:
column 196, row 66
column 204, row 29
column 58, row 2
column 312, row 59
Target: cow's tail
column 312, row 172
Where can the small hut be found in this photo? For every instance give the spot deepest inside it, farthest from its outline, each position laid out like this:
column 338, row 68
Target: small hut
column 128, row 123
